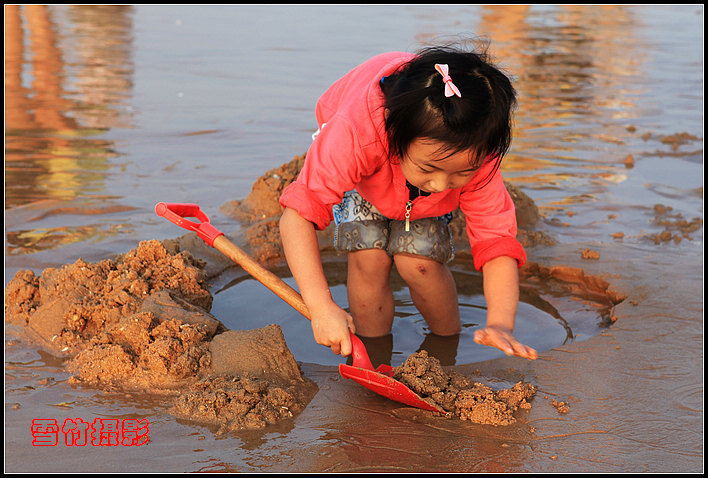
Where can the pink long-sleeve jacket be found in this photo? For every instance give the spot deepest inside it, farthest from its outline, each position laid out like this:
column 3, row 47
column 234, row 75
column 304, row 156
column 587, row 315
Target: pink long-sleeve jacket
column 351, row 152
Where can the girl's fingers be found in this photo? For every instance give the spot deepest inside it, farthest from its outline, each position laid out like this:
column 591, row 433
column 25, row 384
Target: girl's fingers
column 480, row 336
column 504, row 342
column 346, row 347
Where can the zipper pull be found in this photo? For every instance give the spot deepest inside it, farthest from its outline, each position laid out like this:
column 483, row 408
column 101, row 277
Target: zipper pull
column 409, row 206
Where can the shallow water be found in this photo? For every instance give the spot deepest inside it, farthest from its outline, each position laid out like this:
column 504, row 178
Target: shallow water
column 110, row 110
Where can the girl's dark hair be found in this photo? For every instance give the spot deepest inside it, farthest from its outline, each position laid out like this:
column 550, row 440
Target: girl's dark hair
column 479, row 121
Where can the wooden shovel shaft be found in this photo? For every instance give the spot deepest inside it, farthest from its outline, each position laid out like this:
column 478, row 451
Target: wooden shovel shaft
column 263, row 275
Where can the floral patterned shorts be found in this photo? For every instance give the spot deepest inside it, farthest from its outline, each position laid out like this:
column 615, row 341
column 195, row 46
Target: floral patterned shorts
column 359, row 225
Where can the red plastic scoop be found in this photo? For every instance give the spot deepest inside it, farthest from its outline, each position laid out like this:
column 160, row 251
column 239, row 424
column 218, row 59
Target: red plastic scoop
column 379, row 380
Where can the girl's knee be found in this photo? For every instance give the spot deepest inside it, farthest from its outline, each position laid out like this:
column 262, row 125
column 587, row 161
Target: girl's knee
column 417, row 268
column 370, row 262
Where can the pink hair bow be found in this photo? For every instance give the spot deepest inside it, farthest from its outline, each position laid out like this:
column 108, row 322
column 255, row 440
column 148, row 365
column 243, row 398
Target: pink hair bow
column 450, row 88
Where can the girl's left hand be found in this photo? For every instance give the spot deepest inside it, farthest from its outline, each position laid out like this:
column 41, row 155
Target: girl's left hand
column 504, row 341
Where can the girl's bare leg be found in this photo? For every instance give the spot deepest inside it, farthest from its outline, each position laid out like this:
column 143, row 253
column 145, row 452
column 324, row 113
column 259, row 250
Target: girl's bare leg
column 369, row 292
column 433, row 291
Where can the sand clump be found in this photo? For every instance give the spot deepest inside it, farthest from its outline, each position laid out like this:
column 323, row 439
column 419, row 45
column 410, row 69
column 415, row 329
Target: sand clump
column 589, row 254
column 676, row 227
column 562, row 407
column 459, row 395
column 269, row 386
column 141, row 322
column 140, row 352
column 243, row 402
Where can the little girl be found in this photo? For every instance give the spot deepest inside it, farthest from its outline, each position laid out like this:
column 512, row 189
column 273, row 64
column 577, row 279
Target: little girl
column 405, row 139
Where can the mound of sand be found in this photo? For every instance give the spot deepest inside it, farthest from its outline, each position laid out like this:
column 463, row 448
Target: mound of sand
column 141, row 322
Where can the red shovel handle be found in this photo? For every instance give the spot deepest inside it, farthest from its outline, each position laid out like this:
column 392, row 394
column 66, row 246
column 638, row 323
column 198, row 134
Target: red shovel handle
column 359, row 356
column 176, row 213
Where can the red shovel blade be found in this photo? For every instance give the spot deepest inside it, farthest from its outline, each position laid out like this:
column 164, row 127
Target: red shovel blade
column 379, row 380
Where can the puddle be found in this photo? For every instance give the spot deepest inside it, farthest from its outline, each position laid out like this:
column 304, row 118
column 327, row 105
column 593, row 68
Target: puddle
column 545, row 319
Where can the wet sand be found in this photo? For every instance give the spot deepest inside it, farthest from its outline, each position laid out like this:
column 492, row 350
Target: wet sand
column 607, row 382
column 141, row 324
column 345, row 428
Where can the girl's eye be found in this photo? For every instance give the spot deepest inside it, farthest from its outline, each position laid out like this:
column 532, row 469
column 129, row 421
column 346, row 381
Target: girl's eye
column 423, row 169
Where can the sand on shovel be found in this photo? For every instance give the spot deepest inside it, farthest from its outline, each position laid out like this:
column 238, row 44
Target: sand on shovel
column 141, row 323
column 459, row 395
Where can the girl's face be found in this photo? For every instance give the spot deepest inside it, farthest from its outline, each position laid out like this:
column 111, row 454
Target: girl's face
column 431, row 169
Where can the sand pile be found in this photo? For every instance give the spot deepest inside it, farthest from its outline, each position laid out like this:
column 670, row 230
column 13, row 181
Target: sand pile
column 141, row 322
column 65, row 308
column 459, row 395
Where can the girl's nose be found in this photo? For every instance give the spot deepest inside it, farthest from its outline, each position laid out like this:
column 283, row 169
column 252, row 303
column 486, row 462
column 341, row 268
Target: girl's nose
column 439, row 183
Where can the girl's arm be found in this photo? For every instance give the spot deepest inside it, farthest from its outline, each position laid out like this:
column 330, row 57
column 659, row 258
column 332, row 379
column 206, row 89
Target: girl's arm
column 330, row 323
column 501, row 291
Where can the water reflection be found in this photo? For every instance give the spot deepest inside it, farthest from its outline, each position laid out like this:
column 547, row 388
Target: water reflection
column 104, row 66
column 565, row 66
column 573, row 94
column 51, row 124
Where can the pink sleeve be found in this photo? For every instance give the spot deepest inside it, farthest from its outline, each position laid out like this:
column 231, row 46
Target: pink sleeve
column 491, row 222
column 333, row 165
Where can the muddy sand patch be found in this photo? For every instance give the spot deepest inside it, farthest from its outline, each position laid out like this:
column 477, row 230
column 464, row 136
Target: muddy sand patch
column 141, row 322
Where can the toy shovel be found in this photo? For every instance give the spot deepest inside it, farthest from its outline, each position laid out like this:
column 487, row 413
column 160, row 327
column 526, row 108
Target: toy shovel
column 362, row 371
column 380, row 380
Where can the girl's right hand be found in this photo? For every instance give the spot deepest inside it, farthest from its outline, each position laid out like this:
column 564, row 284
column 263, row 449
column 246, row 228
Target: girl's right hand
column 331, row 326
